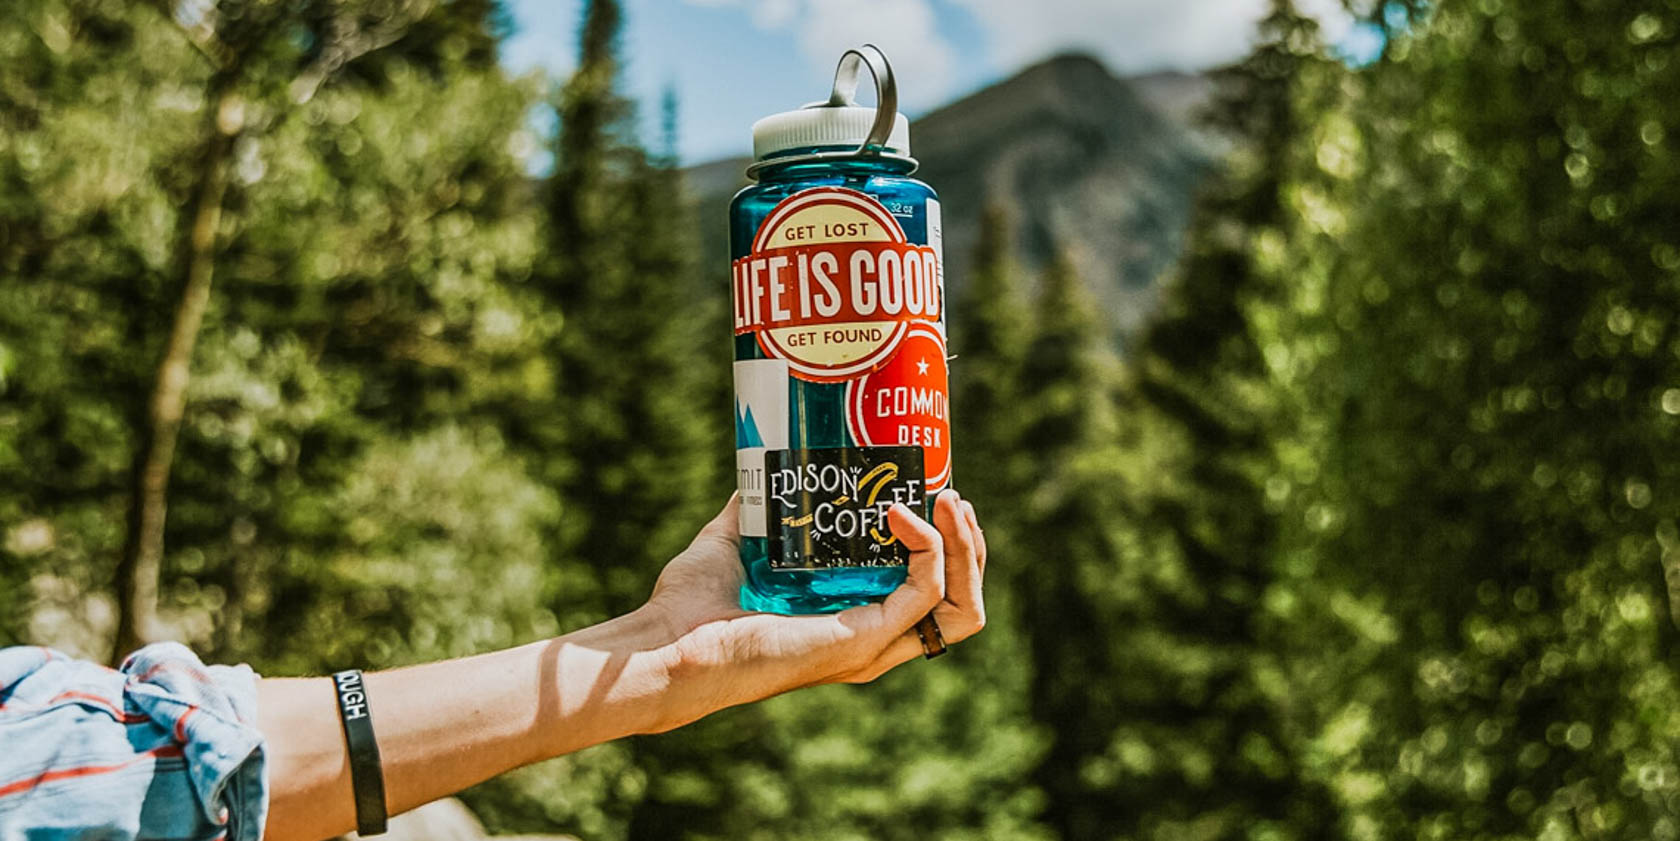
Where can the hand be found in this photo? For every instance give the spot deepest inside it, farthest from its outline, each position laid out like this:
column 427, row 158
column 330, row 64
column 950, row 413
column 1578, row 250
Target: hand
column 726, row 656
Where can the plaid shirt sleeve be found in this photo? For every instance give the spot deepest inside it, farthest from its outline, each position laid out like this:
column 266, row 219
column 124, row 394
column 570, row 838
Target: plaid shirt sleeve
column 164, row 748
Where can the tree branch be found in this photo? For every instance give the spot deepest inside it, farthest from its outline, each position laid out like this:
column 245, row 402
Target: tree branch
column 142, row 560
column 348, row 40
column 200, row 31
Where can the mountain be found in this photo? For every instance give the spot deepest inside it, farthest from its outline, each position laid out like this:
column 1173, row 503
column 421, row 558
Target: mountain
column 1176, row 94
column 1100, row 166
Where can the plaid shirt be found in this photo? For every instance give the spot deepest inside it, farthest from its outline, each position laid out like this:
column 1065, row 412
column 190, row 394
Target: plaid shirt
column 165, row 748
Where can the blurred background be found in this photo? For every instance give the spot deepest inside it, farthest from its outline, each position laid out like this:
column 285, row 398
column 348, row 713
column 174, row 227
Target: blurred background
column 1318, row 385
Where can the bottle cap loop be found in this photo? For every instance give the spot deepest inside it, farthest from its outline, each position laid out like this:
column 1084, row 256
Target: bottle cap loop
column 886, row 92
column 886, row 131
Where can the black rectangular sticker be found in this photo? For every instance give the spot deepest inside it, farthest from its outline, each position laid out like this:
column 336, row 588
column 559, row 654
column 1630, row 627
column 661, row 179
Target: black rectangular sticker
column 828, row 508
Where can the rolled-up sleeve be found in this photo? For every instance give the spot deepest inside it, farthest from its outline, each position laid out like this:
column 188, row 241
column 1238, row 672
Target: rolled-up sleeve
column 163, row 748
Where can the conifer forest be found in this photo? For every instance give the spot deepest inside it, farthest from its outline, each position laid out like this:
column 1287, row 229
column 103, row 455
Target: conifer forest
column 1368, row 530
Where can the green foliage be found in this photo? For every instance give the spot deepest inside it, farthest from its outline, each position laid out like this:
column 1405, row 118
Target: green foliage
column 102, row 218
column 385, row 307
column 1207, row 738
column 368, row 316
column 1479, row 340
column 988, row 338
column 617, row 265
column 1071, row 518
column 930, row 752
column 441, row 555
column 623, row 445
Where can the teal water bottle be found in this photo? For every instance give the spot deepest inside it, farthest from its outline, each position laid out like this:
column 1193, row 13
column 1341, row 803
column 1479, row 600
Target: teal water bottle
column 841, row 388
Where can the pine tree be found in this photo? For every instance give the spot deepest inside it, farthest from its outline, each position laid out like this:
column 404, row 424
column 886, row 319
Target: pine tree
column 626, row 442
column 695, row 775
column 1204, row 412
column 988, row 324
column 1480, row 331
column 626, row 435
column 1071, row 521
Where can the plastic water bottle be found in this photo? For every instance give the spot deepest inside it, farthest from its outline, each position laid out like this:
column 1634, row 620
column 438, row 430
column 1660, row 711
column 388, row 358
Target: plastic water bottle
column 841, row 389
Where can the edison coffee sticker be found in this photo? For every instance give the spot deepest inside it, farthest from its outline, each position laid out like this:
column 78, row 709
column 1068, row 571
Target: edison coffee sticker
column 829, row 507
column 848, row 315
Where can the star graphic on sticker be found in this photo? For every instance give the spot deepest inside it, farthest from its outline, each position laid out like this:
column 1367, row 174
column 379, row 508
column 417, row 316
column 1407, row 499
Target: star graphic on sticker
column 922, row 366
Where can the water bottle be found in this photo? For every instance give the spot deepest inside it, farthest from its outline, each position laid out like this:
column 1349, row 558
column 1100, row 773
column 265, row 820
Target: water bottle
column 841, row 387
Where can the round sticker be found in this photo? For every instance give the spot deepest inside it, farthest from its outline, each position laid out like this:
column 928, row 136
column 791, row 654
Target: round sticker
column 832, row 284
column 905, row 403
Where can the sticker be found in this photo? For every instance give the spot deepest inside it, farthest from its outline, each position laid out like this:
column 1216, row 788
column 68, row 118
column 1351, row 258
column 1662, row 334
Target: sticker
column 828, row 507
column 761, row 424
column 905, row 403
column 832, row 284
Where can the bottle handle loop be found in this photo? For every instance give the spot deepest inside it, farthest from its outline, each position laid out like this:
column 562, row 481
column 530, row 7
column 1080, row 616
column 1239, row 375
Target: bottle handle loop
column 844, row 95
column 886, row 92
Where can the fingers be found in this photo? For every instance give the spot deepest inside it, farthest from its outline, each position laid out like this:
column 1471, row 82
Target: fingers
column 884, row 624
column 904, row 648
column 979, row 536
column 924, row 586
column 962, row 570
column 961, row 613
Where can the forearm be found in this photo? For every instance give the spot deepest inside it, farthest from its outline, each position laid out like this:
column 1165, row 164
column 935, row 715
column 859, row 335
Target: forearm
column 443, row 727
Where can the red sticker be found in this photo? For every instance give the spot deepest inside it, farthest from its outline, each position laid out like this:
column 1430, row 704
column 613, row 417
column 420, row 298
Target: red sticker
column 904, row 403
column 832, row 284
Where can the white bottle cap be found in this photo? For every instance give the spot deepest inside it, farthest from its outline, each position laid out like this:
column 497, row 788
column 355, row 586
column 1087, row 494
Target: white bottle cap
column 843, row 125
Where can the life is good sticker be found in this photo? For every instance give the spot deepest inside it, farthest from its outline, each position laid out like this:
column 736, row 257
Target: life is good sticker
column 832, row 285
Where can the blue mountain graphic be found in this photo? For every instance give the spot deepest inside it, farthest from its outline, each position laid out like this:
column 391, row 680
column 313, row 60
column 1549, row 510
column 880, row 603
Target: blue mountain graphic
column 746, row 428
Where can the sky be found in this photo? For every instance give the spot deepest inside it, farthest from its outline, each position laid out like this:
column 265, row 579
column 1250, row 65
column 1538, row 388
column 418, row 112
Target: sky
column 732, row 61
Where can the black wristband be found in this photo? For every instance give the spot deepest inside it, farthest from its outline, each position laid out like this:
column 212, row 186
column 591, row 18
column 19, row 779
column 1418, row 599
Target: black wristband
column 367, row 779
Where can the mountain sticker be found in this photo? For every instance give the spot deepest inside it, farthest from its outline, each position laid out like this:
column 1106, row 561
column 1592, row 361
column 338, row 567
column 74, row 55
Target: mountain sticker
column 761, row 424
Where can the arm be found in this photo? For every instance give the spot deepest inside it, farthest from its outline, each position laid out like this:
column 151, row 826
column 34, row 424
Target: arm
column 445, row 726
column 688, row 652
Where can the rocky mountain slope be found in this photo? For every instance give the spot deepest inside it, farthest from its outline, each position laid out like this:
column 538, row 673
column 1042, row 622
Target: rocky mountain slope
column 1101, row 167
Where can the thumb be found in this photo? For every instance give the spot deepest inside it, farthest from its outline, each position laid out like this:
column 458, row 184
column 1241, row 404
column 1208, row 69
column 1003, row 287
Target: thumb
column 726, row 526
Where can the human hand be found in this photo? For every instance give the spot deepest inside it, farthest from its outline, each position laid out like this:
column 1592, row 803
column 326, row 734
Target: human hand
column 723, row 655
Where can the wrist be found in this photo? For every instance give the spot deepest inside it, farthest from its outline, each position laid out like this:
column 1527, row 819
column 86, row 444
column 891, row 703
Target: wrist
column 659, row 668
column 605, row 682
column 704, row 672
